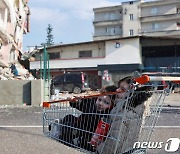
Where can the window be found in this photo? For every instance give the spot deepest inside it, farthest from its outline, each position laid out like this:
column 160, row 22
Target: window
column 109, row 16
column 113, row 30
column 110, row 30
column 178, row 24
column 107, row 30
column 106, row 17
column 69, row 78
column 117, row 45
column 87, row 53
column 131, row 2
column 131, row 16
column 155, row 26
column 58, row 79
column 131, row 32
column 54, row 55
column 154, row 11
column 178, row 10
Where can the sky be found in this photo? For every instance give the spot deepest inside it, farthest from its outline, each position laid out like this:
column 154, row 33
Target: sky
column 71, row 20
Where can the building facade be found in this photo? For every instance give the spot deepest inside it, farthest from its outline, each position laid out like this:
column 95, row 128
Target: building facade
column 113, row 58
column 117, row 21
column 160, row 18
column 132, row 18
column 14, row 22
column 94, row 58
column 128, row 38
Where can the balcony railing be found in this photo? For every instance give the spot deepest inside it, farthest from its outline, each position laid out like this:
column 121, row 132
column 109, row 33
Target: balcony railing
column 108, row 19
column 159, row 16
column 107, row 34
column 160, row 29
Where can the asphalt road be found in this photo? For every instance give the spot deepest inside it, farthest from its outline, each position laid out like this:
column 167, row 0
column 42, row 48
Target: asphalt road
column 21, row 131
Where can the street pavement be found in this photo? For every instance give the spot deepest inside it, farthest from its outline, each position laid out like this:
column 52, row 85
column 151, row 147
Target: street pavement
column 21, row 133
column 21, row 130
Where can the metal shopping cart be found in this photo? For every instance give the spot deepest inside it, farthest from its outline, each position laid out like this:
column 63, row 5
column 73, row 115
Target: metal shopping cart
column 76, row 123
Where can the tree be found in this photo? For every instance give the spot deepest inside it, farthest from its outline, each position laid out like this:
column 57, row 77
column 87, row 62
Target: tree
column 49, row 40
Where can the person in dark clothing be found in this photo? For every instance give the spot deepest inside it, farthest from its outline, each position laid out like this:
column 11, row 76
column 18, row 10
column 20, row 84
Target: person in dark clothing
column 140, row 95
column 124, row 130
column 14, row 70
column 79, row 130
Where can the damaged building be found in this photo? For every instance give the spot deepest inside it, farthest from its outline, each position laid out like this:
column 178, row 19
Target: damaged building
column 14, row 22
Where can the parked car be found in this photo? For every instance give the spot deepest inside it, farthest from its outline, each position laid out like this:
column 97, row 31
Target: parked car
column 72, row 82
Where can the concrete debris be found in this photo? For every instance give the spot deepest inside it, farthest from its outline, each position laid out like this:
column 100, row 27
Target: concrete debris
column 8, row 73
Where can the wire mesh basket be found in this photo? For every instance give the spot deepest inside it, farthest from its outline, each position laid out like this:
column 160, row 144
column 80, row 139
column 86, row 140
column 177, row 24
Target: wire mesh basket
column 87, row 124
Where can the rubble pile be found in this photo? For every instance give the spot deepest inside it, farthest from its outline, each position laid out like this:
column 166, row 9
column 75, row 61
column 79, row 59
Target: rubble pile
column 6, row 73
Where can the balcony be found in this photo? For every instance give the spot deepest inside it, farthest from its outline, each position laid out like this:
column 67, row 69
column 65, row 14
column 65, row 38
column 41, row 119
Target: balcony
column 175, row 33
column 161, row 17
column 108, row 31
column 156, row 3
column 108, row 23
column 106, row 37
column 107, row 34
column 106, row 19
column 160, row 29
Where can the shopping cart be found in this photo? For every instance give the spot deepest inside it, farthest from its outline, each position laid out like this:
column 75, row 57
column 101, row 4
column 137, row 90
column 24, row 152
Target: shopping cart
column 75, row 123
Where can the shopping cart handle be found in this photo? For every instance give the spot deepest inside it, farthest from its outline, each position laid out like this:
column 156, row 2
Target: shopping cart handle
column 143, row 79
column 46, row 104
column 177, row 82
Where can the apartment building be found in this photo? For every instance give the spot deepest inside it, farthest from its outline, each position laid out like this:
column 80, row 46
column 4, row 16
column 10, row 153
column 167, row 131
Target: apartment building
column 14, row 22
column 160, row 18
column 119, row 47
column 148, row 18
column 157, row 19
column 117, row 21
column 108, row 22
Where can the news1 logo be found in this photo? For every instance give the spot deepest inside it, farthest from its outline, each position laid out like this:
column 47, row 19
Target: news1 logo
column 171, row 145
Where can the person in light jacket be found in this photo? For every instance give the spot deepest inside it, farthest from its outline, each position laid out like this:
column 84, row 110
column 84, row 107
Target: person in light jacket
column 126, row 119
